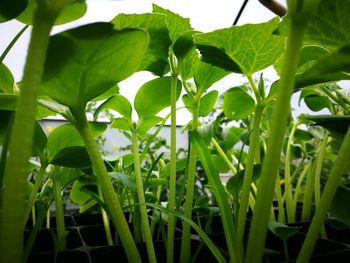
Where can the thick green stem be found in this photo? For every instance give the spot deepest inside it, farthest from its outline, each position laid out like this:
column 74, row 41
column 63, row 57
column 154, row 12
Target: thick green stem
column 326, row 200
column 13, row 196
column 172, row 179
column 191, row 176
column 248, row 173
column 270, row 166
column 111, row 198
column 287, row 177
column 141, row 197
column 59, row 211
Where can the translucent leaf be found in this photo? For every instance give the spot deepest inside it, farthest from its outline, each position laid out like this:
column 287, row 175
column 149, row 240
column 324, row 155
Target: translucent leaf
column 206, row 75
column 121, row 124
column 242, row 49
column 238, row 104
column 118, row 103
column 6, row 79
column 156, row 57
column 84, row 62
column 70, row 13
column 154, row 96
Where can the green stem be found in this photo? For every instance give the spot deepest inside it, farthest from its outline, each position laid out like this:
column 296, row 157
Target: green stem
column 326, row 199
column 12, row 43
column 248, row 172
column 141, row 197
column 308, row 193
column 111, row 198
column 105, row 218
column 172, row 179
column 335, row 98
column 31, row 200
column 191, row 176
column 13, row 197
column 59, row 211
column 223, row 156
column 280, row 201
column 270, row 166
column 287, row 177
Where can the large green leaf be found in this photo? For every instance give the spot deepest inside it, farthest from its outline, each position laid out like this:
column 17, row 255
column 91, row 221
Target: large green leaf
column 84, row 62
column 156, row 57
column 70, row 13
column 6, row 79
column 118, row 103
column 238, row 104
column 330, row 26
column 242, row 49
column 154, row 96
column 10, row 9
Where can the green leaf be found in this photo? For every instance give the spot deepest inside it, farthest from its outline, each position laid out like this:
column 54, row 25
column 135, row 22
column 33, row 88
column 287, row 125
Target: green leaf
column 340, row 202
column 220, row 163
column 177, row 25
column 314, row 100
column 8, row 102
column 77, row 195
column 154, row 96
column 125, row 180
column 207, row 103
column 39, row 140
column 121, row 124
column 202, row 201
column 146, row 124
column 156, row 57
column 332, row 67
column 242, row 49
column 70, row 13
column 6, row 118
column 238, row 104
column 57, row 108
column 67, row 176
column 206, row 132
column 108, row 93
column 72, row 157
column 228, row 136
column 84, row 62
column 10, row 9
column 118, row 103
column 337, row 125
column 234, row 184
column 62, row 137
column 180, row 166
column 188, row 102
column 282, row 231
column 206, row 75
column 6, row 79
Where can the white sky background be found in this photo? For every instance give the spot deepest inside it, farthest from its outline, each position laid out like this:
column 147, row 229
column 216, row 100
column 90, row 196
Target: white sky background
column 205, row 16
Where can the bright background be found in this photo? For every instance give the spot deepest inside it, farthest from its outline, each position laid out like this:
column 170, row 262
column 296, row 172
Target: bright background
column 204, row 15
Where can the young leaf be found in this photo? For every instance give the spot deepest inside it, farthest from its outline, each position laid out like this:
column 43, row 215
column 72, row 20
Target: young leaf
column 57, row 108
column 238, row 104
column 242, row 49
column 228, row 136
column 72, row 157
column 156, row 57
column 206, row 132
column 118, row 103
column 84, row 62
column 206, row 75
column 314, row 100
column 77, row 195
column 337, row 125
column 121, row 124
column 10, row 9
column 154, row 96
column 282, row 231
column 145, row 125
column 61, row 137
column 70, row 13
column 207, row 103
column 6, row 79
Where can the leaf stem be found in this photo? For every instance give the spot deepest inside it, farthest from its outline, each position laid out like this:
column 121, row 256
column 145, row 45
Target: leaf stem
column 326, row 199
column 12, row 43
column 270, row 166
column 172, row 179
column 13, row 197
column 223, row 156
column 141, row 198
column 111, row 198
